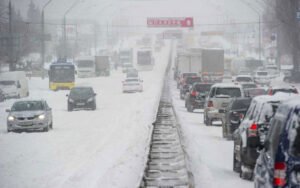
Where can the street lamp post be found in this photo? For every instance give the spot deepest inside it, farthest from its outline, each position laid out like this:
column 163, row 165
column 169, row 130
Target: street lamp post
column 43, row 34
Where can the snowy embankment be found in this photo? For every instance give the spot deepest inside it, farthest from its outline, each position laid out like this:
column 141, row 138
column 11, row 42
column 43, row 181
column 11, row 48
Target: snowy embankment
column 102, row 148
column 209, row 155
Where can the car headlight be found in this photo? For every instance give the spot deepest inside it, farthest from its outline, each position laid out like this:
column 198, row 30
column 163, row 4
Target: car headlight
column 71, row 100
column 41, row 117
column 90, row 99
column 10, row 118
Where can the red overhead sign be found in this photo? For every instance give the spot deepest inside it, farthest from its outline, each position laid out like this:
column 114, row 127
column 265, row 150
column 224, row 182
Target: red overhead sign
column 170, row 22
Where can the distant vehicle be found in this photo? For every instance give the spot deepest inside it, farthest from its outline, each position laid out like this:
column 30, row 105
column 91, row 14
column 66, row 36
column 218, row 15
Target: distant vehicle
column 2, row 95
column 82, row 98
column 251, row 133
column 61, row 75
column 132, row 73
column 262, row 78
column 195, row 98
column 244, row 72
column 102, row 65
column 234, row 114
column 278, row 162
column 243, row 79
column 248, row 85
column 245, row 66
column 85, row 66
column 227, row 77
column 272, row 70
column 182, row 77
column 125, row 56
column 132, row 85
column 219, row 97
column 253, row 92
column 282, row 89
column 145, row 59
column 126, row 67
column 187, row 82
column 29, row 115
column 14, row 84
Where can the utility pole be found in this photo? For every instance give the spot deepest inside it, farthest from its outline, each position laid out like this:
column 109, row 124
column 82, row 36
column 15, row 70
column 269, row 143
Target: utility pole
column 43, row 35
column 96, row 37
column 12, row 66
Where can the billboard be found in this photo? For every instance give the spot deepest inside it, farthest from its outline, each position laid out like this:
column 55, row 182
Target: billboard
column 187, row 22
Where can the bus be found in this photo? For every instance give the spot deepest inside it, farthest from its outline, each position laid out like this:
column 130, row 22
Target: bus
column 61, row 76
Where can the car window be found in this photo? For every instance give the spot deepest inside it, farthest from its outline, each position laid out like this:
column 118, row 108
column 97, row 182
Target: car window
column 250, row 110
column 202, row 87
column 27, row 106
column 262, row 73
column 274, row 136
column 243, row 79
column 241, row 104
column 232, row 92
column 212, row 92
column 81, row 92
column 265, row 114
column 284, row 91
column 191, row 80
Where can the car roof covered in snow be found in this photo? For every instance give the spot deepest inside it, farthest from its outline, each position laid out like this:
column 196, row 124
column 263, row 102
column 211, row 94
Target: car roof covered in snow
column 283, row 87
column 273, row 98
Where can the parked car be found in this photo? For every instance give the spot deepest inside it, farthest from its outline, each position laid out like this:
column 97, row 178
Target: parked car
column 14, row 84
column 278, row 164
column 253, row 92
column 132, row 85
column 182, row 76
column 219, row 97
column 187, row 83
column 29, row 115
column 262, row 78
column 81, row 98
column 234, row 114
column 2, row 95
column 244, row 78
column 251, row 133
column 282, row 89
column 195, row 98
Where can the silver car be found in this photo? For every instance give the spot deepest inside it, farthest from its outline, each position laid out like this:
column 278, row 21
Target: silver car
column 29, row 115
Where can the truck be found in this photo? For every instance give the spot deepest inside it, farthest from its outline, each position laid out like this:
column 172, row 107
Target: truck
column 102, row 65
column 209, row 63
column 125, row 56
column 145, row 60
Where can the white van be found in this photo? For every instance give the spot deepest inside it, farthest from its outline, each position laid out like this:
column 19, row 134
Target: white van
column 14, row 84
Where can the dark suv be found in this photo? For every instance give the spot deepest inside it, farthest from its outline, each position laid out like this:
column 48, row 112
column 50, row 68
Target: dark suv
column 251, row 133
column 278, row 164
column 234, row 114
column 187, row 83
column 81, row 98
column 182, row 77
column 195, row 98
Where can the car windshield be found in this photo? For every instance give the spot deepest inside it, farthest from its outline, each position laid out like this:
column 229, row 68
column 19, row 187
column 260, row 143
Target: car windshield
column 255, row 92
column 243, row 79
column 85, row 63
column 81, row 92
column 231, row 92
column 131, row 80
column 27, row 106
column 241, row 104
column 267, row 111
column 7, row 82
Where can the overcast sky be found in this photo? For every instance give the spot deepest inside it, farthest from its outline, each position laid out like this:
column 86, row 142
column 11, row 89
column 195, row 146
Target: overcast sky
column 203, row 11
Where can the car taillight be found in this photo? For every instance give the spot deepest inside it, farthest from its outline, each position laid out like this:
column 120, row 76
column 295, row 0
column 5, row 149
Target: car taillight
column 279, row 174
column 271, row 91
column 124, row 84
column 296, row 91
column 137, row 84
column 194, row 93
column 256, row 86
column 184, row 83
column 210, row 104
column 252, row 131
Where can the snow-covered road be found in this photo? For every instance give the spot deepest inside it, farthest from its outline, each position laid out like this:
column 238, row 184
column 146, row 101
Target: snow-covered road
column 209, row 155
column 102, row 148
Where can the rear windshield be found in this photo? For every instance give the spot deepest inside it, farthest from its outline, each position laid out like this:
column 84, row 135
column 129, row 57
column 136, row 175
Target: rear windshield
column 193, row 80
column 81, row 92
column 188, row 74
column 246, row 86
column 262, row 73
column 254, row 92
column 243, row 79
column 27, row 106
column 241, row 104
column 132, row 80
column 203, row 87
column 7, row 82
column 284, row 91
column 231, row 92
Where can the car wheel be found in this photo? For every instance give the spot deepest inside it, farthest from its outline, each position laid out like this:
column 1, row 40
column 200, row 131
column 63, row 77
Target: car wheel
column 46, row 129
column 236, row 164
column 94, row 106
column 70, row 108
column 190, row 108
column 207, row 121
column 181, row 96
column 51, row 125
column 244, row 174
column 224, row 132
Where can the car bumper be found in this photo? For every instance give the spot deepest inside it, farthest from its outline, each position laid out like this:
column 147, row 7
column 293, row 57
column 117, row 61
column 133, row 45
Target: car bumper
column 81, row 105
column 26, row 125
column 214, row 114
column 132, row 88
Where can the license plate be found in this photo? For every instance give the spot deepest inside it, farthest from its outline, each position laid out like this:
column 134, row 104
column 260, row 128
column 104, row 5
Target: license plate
column 26, row 123
column 80, row 104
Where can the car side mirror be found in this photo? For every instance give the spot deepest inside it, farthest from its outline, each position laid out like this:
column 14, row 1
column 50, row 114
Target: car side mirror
column 95, row 94
column 67, row 95
column 7, row 110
